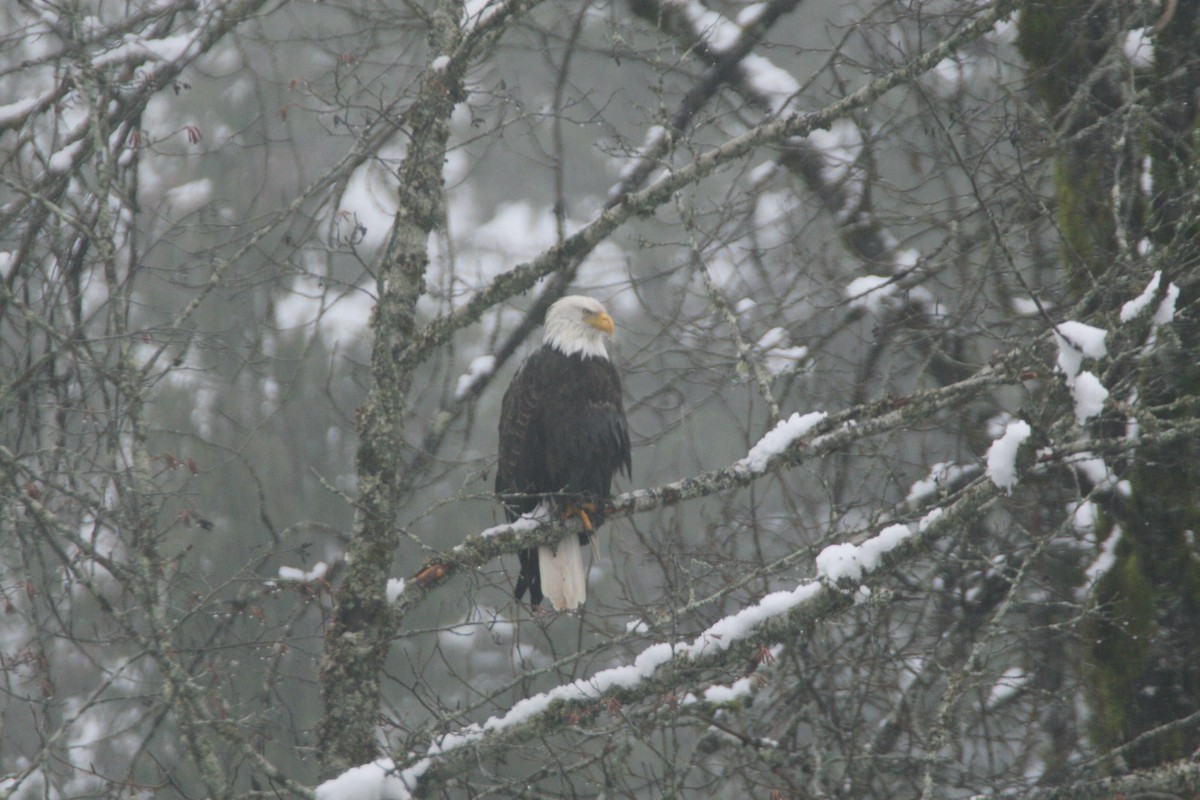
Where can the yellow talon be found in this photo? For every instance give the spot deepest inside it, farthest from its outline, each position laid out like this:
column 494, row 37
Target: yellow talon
column 581, row 511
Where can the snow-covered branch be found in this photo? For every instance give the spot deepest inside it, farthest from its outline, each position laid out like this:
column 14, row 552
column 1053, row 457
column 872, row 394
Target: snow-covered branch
column 843, row 571
column 798, row 439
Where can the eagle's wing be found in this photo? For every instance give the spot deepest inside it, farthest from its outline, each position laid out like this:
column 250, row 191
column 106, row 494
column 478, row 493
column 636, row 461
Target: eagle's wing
column 521, row 466
column 520, row 471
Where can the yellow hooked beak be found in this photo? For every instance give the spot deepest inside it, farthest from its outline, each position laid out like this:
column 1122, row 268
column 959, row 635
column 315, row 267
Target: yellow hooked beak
column 601, row 321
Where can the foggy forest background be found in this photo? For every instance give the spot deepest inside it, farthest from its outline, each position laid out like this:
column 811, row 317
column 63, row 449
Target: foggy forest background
column 267, row 267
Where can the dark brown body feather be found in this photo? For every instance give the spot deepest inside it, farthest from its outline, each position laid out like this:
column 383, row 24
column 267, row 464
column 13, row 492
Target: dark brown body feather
column 563, row 436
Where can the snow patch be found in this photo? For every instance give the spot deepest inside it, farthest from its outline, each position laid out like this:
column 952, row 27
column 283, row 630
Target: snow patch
column 476, row 12
column 341, row 318
column 720, row 695
column 727, row 630
column 61, row 161
column 1089, row 396
column 526, row 522
column 480, row 368
column 941, row 475
column 720, row 33
column 933, row 516
column 188, row 197
column 840, row 146
column 1138, row 46
column 1002, row 455
column 298, row 575
column 850, row 561
column 1011, row 682
column 1104, row 559
column 13, row 113
column 484, row 642
column 750, row 14
column 1094, row 470
column 779, row 438
column 1004, row 31
column 1166, row 309
column 1076, row 341
column 953, row 74
column 1083, row 516
column 1165, row 312
column 395, row 588
column 137, row 48
column 652, row 142
column 367, row 207
column 774, row 84
column 1024, row 306
column 1134, row 308
column 777, row 356
column 870, row 292
column 379, row 780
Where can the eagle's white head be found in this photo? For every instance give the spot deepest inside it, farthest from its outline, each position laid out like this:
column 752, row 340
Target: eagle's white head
column 578, row 324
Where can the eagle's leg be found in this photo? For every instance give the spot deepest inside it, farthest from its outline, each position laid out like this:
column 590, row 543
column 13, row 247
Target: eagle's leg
column 582, row 510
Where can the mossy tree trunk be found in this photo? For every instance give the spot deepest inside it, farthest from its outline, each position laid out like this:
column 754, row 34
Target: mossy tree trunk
column 358, row 635
column 1125, row 184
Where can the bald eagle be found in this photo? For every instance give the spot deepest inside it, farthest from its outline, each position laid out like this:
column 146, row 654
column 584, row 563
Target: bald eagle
column 563, row 436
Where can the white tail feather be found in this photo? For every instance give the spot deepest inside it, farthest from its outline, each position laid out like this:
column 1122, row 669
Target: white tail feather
column 563, row 579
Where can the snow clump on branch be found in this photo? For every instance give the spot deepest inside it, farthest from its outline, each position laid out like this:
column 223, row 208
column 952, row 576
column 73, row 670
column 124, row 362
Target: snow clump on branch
column 1002, row 455
column 1077, row 341
column 779, row 439
column 850, row 561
